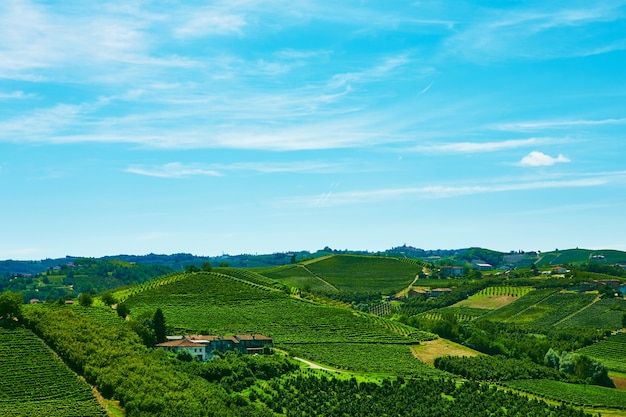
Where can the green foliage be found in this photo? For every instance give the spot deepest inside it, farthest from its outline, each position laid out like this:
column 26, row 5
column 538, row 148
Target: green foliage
column 160, row 329
column 236, row 372
column 123, row 310
column 145, row 381
column 184, row 356
column 35, row 383
column 108, row 299
column 207, row 267
column 576, row 394
column 497, row 368
column 312, row 396
column 10, row 306
column 85, row 299
column 606, row 313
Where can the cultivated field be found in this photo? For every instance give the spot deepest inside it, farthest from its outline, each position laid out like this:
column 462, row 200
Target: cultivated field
column 35, row 382
column 494, row 297
column 430, row 350
column 611, row 352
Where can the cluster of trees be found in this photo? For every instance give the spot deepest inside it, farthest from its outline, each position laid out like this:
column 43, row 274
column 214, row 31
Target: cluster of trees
column 236, row 372
column 312, row 396
column 581, row 366
column 499, row 368
column 10, row 307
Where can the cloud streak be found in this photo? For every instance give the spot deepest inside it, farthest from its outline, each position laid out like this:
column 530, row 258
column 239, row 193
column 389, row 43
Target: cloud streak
column 435, row 192
column 479, row 147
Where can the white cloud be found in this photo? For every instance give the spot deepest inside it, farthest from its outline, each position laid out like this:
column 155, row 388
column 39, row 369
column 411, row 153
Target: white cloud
column 210, row 22
column 555, row 124
column 476, row 147
column 431, row 192
column 15, row 95
column 540, row 159
column 173, row 170
column 180, row 170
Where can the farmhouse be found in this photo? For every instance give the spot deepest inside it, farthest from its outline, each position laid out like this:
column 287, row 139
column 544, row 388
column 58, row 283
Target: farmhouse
column 436, row 292
column 451, row 271
column 559, row 270
column 203, row 346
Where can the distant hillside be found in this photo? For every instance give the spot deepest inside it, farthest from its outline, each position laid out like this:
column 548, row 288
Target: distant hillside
column 579, row 256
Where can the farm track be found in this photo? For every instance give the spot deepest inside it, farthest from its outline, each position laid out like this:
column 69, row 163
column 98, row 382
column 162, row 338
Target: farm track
column 319, row 277
column 577, row 311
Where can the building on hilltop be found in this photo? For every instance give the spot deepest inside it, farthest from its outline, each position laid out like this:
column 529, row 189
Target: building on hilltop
column 203, row 346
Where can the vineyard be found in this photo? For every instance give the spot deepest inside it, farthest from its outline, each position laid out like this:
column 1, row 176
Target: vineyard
column 297, row 276
column 365, row 273
column 459, row 313
column 552, row 309
column 35, row 382
column 576, row 394
column 610, row 352
column 494, row 297
column 604, row 314
column 368, row 357
column 217, row 304
column 510, row 311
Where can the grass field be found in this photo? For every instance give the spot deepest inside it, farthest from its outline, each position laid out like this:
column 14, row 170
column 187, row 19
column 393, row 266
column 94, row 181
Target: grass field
column 430, row 350
column 35, row 382
column 518, row 306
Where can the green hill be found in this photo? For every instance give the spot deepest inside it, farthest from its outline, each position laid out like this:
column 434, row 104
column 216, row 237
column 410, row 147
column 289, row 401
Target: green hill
column 579, row 256
column 350, row 273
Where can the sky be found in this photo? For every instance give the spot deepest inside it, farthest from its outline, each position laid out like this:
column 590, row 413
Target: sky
column 252, row 126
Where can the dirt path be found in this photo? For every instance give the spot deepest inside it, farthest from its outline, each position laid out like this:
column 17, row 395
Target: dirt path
column 320, row 278
column 315, row 365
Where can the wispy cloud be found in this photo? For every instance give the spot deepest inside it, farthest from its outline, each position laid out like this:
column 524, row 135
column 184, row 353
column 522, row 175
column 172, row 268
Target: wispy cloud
column 538, row 33
column 173, row 170
column 15, row 95
column 431, row 192
column 540, row 159
column 379, row 71
column 477, row 147
column 182, row 170
column 200, row 23
column 556, row 124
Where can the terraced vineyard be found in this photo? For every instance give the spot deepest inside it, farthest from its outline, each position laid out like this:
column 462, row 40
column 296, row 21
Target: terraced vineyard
column 36, row 383
column 576, row 394
column 123, row 294
column 494, row 297
column 604, row 314
column 611, row 352
column 352, row 273
column 215, row 303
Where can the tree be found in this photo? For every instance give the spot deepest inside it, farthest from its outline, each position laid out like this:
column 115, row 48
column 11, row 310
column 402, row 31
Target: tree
column 207, row 267
column 552, row 359
column 191, row 268
column 85, row 299
column 108, row 299
column 159, row 326
column 123, row 310
column 624, row 320
column 11, row 306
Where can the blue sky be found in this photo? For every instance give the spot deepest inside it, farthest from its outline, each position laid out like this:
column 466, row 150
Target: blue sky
column 250, row 126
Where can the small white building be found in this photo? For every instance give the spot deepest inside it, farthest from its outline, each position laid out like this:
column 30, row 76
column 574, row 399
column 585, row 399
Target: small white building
column 197, row 350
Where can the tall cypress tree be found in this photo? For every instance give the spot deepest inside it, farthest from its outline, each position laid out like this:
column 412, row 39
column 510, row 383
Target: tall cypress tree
column 159, row 326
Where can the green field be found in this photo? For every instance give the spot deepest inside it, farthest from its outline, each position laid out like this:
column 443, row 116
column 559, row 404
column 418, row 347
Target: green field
column 604, row 314
column 349, row 273
column 370, row 358
column 573, row 256
column 611, row 352
column 552, row 309
column 576, row 394
column 216, row 303
column 35, row 382
column 519, row 306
